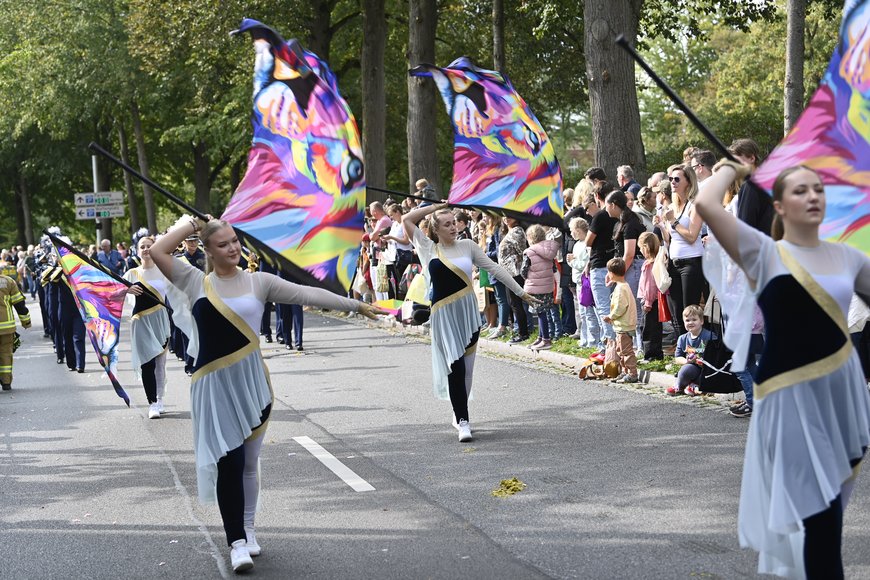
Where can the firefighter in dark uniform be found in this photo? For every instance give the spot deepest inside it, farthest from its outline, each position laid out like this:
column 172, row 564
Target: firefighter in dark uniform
column 12, row 299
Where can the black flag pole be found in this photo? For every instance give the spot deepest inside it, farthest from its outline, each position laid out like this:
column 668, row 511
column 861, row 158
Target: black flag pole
column 172, row 197
column 408, row 195
column 623, row 42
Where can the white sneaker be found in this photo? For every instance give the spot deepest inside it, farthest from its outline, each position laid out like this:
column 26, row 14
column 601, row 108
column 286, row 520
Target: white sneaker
column 154, row 411
column 160, row 408
column 253, row 547
column 464, row 431
column 240, row 557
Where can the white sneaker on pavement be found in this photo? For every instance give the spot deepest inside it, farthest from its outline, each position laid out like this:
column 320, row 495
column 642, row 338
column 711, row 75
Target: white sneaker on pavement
column 253, row 547
column 240, row 557
column 464, row 431
column 160, row 407
column 154, row 411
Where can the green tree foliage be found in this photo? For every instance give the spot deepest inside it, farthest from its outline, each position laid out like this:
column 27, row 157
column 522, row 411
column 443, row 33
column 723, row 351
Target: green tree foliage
column 731, row 79
column 70, row 70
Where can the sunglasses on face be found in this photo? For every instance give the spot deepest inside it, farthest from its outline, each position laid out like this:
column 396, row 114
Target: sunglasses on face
column 674, row 179
column 696, row 166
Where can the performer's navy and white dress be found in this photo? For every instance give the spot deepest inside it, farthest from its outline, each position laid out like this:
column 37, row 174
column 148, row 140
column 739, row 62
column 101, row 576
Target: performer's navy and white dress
column 810, row 424
column 230, row 391
column 149, row 325
column 454, row 318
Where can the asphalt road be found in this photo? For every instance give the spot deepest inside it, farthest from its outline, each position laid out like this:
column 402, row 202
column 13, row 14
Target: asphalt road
column 620, row 484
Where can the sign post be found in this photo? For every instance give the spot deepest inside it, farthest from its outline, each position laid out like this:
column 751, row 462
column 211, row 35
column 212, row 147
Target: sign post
column 98, row 205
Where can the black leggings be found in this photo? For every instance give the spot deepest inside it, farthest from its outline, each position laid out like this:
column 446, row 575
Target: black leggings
column 519, row 309
column 823, row 540
column 456, row 384
column 231, row 489
column 687, row 286
column 149, row 379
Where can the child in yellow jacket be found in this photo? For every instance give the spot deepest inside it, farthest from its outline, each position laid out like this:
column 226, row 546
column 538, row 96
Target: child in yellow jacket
column 623, row 317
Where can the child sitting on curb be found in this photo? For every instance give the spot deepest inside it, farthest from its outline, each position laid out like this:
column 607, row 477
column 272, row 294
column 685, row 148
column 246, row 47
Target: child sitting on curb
column 690, row 352
column 623, row 317
column 537, row 269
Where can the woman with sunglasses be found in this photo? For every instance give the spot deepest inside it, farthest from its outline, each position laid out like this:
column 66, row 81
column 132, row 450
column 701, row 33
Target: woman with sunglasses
column 811, row 418
column 682, row 231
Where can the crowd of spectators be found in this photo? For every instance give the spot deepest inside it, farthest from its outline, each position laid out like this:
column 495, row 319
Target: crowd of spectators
column 653, row 232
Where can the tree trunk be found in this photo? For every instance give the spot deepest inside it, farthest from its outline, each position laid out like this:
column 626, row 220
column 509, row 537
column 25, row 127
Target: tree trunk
column 793, row 97
column 148, row 194
column 498, row 35
column 128, row 180
column 374, row 115
column 236, row 174
column 612, row 89
column 319, row 33
column 201, row 173
column 422, row 94
column 25, row 228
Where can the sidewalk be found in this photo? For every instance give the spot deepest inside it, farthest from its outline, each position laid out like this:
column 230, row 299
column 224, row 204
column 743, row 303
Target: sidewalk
column 560, row 362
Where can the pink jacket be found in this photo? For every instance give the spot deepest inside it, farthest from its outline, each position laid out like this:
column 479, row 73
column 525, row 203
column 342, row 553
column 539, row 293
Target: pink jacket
column 647, row 290
column 540, row 279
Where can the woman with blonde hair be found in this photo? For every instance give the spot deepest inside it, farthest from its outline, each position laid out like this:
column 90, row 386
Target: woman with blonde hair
column 455, row 321
column 811, row 417
column 230, row 392
column 682, row 231
column 149, row 326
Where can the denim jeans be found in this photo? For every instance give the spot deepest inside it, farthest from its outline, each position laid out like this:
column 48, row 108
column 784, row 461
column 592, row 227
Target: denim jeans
column 601, row 292
column 501, row 299
column 632, row 278
column 554, row 317
column 591, row 331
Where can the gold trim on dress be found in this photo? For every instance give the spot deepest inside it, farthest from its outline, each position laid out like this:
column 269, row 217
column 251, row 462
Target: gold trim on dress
column 468, row 290
column 239, row 355
column 826, row 302
column 153, row 291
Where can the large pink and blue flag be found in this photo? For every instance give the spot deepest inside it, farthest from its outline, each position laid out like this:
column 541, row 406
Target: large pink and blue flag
column 832, row 135
column 96, row 293
column 503, row 160
column 301, row 202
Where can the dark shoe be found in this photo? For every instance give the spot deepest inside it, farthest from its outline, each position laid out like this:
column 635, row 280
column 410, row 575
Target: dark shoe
column 72, row 369
column 80, row 371
column 60, row 361
column 743, row 412
column 299, row 347
column 288, row 346
column 268, row 339
column 280, row 340
column 46, row 335
column 518, row 338
column 6, row 386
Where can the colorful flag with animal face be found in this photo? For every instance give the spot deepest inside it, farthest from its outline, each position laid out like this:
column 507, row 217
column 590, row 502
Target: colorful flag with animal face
column 502, row 159
column 832, row 135
column 302, row 199
column 96, row 294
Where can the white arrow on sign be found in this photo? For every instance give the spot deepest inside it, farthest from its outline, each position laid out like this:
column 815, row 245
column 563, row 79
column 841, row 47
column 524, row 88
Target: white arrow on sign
column 99, row 198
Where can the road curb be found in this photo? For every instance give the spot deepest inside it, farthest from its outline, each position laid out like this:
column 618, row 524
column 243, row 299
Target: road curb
column 657, row 379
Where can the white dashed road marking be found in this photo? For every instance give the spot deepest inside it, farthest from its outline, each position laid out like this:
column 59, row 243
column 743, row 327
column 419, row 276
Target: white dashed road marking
column 346, row 474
